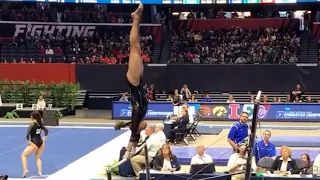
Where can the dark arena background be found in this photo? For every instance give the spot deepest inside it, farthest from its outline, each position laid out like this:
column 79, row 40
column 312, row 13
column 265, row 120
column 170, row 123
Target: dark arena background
column 68, row 59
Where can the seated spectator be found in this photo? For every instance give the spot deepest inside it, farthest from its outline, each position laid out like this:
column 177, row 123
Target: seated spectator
column 166, row 161
column 160, row 134
column 193, row 99
column 206, row 98
column 201, row 157
column 230, row 99
column 49, row 51
column 180, row 125
column 238, row 161
column 153, row 146
column 308, row 169
column 284, row 164
column 246, row 46
column 124, row 97
column 264, row 148
column 13, row 42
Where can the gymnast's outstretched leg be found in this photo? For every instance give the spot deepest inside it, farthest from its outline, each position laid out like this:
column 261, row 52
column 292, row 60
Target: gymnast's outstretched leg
column 138, row 97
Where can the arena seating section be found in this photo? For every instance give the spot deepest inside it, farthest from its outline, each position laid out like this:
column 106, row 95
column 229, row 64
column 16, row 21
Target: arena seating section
column 236, row 46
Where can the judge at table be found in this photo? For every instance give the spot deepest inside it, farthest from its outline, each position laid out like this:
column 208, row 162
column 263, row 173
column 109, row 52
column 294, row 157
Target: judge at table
column 166, row 161
column 181, row 125
column 41, row 104
column 284, row 164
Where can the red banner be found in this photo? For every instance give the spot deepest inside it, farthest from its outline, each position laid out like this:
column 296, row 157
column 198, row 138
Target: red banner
column 198, row 25
column 38, row 72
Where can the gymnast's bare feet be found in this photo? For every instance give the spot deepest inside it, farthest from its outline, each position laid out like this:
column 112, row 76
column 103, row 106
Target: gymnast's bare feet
column 138, row 12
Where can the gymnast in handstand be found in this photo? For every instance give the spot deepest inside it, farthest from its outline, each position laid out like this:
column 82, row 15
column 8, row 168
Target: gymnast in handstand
column 138, row 99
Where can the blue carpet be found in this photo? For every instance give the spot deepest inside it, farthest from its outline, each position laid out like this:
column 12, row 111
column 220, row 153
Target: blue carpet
column 63, row 147
column 221, row 155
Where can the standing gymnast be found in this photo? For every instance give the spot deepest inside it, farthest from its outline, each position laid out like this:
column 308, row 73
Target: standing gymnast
column 35, row 144
column 138, row 99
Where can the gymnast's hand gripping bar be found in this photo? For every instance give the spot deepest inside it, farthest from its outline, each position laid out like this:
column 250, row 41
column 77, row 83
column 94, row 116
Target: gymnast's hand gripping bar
column 143, row 146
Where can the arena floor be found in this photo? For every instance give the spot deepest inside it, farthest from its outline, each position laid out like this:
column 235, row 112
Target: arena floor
column 84, row 144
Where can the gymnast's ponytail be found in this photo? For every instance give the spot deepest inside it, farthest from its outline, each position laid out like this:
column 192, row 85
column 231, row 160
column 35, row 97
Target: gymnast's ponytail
column 37, row 116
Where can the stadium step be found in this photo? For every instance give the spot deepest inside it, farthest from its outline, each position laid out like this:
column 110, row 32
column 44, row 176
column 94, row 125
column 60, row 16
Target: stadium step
column 166, row 50
column 309, row 48
column 156, row 52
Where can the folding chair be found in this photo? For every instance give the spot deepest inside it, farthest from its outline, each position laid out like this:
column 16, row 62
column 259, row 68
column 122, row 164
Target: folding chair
column 181, row 137
column 194, row 125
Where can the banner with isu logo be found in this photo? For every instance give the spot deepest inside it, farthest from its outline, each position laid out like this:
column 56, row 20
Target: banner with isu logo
column 21, row 29
column 226, row 111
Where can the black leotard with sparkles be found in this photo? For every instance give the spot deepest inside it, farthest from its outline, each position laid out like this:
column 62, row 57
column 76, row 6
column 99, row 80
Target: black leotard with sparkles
column 139, row 103
column 34, row 132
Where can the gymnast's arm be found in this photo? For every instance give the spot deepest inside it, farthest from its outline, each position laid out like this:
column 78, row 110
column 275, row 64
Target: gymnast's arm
column 28, row 133
column 46, row 132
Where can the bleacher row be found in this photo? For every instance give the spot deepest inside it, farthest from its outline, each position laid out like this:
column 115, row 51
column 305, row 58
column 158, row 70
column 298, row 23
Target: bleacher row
column 11, row 53
column 215, row 96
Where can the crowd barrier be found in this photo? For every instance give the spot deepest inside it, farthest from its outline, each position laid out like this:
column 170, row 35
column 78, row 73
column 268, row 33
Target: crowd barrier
column 304, row 112
column 218, row 78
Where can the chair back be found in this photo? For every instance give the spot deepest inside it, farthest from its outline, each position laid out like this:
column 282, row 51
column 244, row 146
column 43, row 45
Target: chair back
column 265, row 162
column 300, row 163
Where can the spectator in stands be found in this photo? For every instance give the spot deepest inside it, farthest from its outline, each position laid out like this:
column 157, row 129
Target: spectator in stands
column 49, row 51
column 309, row 100
column 180, row 125
column 124, row 97
column 297, row 100
column 265, row 99
column 239, row 131
column 176, row 97
column 13, row 42
column 238, row 161
column 185, row 92
column 230, row 99
column 166, row 161
column 151, row 93
column 245, row 46
column 193, row 99
column 308, row 169
column 160, row 134
column 201, row 157
column 264, row 148
column 251, row 98
column 206, row 98
column 284, row 164
column 153, row 145
column 297, row 92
